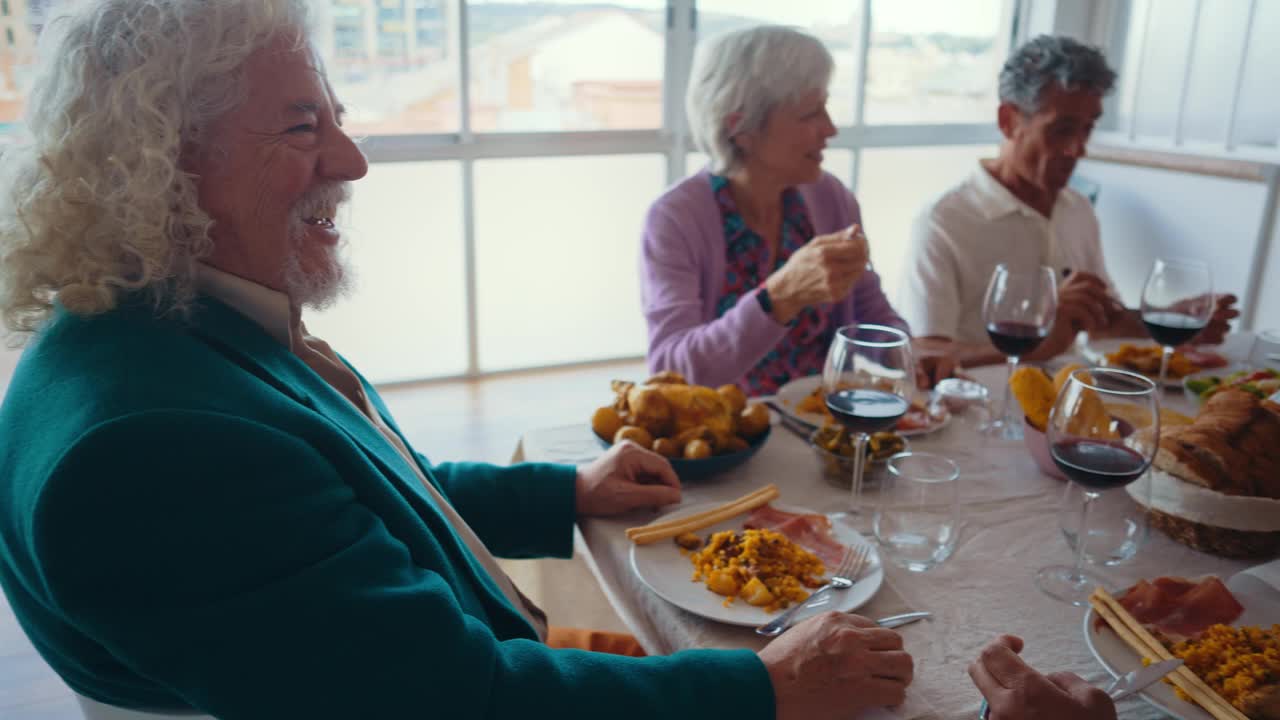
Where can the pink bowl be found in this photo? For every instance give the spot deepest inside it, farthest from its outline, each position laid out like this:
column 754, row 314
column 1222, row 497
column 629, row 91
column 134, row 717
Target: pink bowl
column 1038, row 445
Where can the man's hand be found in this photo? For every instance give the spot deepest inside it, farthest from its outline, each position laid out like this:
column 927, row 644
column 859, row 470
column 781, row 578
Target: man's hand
column 823, row 271
column 625, row 478
column 1015, row 690
column 1219, row 325
column 836, row 665
column 1083, row 304
column 935, row 361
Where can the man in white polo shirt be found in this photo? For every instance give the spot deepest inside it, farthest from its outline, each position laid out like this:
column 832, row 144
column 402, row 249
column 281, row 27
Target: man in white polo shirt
column 1016, row 209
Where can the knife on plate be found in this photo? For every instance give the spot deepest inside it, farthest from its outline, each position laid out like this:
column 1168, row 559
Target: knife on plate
column 1138, row 680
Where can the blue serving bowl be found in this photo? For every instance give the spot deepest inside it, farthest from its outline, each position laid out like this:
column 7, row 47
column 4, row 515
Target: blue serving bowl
column 693, row 470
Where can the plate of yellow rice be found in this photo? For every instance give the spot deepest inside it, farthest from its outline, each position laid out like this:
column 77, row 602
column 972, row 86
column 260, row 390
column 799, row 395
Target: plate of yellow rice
column 1237, row 660
column 746, row 577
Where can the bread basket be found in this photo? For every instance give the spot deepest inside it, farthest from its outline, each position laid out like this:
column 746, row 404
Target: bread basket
column 1213, row 522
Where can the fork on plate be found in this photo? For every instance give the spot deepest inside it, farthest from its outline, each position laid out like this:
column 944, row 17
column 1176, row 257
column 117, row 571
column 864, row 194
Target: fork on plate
column 846, row 574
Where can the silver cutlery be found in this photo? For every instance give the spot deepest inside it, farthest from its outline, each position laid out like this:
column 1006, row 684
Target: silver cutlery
column 1123, row 686
column 1138, row 680
column 894, row 621
column 799, row 427
column 842, row 579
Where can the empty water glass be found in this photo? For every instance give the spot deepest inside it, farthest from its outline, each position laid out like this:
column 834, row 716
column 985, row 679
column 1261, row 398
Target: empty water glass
column 1266, row 350
column 917, row 519
column 1118, row 524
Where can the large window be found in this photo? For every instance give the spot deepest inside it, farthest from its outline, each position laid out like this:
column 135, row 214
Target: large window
column 515, row 146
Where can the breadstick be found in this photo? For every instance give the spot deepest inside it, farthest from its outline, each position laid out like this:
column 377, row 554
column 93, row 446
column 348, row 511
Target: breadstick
column 671, row 528
column 1145, row 644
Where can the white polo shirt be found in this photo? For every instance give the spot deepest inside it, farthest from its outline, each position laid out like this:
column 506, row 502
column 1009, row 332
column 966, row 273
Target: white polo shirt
column 958, row 239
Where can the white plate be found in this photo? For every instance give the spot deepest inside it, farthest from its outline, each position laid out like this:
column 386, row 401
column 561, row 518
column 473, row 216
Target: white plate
column 1118, row 659
column 1096, row 351
column 1261, row 607
column 668, row 572
column 790, row 395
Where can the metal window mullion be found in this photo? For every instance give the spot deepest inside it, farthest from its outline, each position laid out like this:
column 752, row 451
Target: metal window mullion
column 860, row 86
column 680, row 40
column 465, row 137
column 1262, row 250
column 1230, row 141
column 1137, row 72
column 1186, row 73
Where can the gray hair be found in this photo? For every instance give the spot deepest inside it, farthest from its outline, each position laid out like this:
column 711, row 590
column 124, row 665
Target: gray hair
column 1052, row 59
column 95, row 202
column 751, row 72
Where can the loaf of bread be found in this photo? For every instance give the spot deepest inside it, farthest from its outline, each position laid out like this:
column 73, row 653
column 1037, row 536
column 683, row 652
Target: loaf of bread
column 1233, row 447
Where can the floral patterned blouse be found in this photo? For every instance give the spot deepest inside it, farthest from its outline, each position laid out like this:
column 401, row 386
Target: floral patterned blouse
column 803, row 350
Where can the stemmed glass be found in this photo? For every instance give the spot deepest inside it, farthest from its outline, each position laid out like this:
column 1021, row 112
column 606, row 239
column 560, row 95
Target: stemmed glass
column 1177, row 302
column 1098, row 452
column 867, row 381
column 1018, row 313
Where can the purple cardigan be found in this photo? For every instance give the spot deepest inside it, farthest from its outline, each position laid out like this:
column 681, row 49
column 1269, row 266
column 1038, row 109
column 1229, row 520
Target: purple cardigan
column 682, row 269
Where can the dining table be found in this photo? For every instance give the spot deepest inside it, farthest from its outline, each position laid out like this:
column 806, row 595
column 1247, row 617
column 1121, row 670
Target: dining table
column 1011, row 525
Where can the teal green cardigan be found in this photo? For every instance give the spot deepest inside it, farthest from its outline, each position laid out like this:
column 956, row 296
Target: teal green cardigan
column 191, row 518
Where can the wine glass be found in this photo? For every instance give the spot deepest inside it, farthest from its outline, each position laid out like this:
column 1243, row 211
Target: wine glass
column 1018, row 313
column 868, row 379
column 1177, row 302
column 1098, row 452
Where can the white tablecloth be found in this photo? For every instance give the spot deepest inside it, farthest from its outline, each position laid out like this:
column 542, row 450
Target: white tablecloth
column 987, row 588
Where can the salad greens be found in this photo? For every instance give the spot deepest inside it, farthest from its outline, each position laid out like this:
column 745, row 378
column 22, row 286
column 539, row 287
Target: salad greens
column 1261, row 383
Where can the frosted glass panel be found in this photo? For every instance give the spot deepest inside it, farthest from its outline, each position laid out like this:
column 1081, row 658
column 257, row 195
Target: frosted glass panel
column 406, row 316
column 1164, row 65
column 1258, row 118
column 894, row 184
column 1220, row 32
column 557, row 243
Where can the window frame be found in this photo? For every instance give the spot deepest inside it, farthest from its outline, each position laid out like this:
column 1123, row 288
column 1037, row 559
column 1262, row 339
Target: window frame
column 672, row 140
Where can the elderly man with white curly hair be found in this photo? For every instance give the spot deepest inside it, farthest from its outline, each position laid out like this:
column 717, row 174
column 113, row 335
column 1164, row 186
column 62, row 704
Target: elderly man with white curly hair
column 203, row 507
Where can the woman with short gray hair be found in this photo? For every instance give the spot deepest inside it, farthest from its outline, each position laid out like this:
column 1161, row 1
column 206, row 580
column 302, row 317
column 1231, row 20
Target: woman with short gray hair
column 750, row 265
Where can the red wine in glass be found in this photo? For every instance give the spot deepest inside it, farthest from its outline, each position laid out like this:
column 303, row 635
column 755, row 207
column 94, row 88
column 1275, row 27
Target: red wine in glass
column 867, row 411
column 1098, row 464
column 1172, row 328
column 1016, row 338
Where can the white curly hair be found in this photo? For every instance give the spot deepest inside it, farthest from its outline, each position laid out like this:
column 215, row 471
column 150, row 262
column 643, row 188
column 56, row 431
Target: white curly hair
column 749, row 72
column 94, row 201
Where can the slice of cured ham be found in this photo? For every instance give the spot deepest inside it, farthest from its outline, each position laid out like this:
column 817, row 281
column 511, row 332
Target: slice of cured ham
column 1181, row 608
column 1206, row 359
column 813, row 532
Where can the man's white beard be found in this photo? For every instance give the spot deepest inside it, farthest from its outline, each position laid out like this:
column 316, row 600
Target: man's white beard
column 318, row 288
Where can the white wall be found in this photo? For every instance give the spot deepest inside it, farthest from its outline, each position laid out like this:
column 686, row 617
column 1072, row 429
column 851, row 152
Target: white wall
column 1146, row 212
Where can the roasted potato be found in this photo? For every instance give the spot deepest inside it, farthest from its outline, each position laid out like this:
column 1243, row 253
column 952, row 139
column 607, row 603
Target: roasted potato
column 637, row 435
column 723, row 582
column 606, row 422
column 697, row 450
column 733, row 397
column 753, row 420
column 688, row 541
column 735, row 444
column 698, row 432
column 667, row 447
